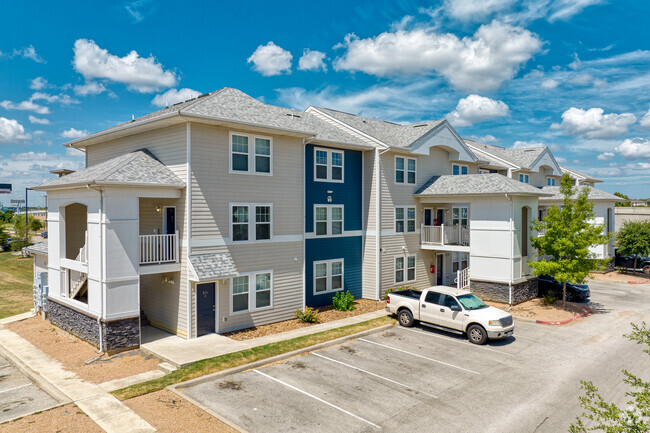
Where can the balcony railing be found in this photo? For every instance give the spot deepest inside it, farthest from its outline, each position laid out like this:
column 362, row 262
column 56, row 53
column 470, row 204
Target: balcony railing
column 157, row 249
column 462, row 279
column 444, row 235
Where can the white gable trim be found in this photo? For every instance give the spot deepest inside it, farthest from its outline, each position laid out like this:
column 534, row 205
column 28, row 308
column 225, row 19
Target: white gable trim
column 431, row 139
column 534, row 166
column 507, row 163
column 347, row 127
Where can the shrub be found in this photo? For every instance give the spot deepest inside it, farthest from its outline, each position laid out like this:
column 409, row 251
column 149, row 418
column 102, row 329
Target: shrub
column 19, row 245
column 549, row 298
column 343, row 301
column 308, row 315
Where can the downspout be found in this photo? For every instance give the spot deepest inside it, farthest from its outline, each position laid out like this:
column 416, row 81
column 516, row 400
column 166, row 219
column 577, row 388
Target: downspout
column 305, row 142
column 378, row 219
column 188, row 214
column 511, row 250
column 101, row 264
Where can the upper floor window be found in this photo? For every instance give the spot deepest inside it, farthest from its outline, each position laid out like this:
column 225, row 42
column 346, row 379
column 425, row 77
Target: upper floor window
column 460, row 215
column 458, row 169
column 405, row 170
column 251, row 291
column 250, row 222
column 328, row 220
column 550, row 181
column 404, row 219
column 459, row 261
column 328, row 276
column 328, row 165
column 404, row 268
column 523, row 178
column 250, row 154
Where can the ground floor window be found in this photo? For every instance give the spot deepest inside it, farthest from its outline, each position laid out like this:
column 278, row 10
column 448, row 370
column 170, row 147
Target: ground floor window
column 404, row 268
column 252, row 291
column 328, row 276
column 459, row 261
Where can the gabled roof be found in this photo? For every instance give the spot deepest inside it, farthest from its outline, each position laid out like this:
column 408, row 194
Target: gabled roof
column 594, row 194
column 519, row 158
column 38, row 248
column 579, row 175
column 476, row 184
column 209, row 267
column 234, row 107
column 137, row 168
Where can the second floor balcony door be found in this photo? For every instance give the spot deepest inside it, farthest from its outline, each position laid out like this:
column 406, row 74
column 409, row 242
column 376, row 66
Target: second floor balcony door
column 169, row 221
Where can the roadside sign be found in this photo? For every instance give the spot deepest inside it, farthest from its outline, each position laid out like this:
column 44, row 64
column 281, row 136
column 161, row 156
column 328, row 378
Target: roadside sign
column 17, row 201
column 5, row 188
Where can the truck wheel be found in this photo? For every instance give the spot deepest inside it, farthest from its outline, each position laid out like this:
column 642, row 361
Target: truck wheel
column 477, row 334
column 646, row 269
column 405, row 318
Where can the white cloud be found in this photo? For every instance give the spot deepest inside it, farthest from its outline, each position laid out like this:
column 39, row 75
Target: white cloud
column 633, row 148
column 135, row 10
column 29, row 156
column 471, row 10
column 38, row 121
column 89, row 88
column 560, row 160
column 271, row 59
column 566, row 9
column 173, row 96
column 71, row 151
column 312, row 61
column 74, row 133
column 483, row 61
column 62, row 99
column 11, row 131
column 521, row 144
column 475, row 109
column 39, row 83
column 645, row 120
column 592, row 123
column 549, row 84
column 484, row 139
column 605, row 156
column 27, row 53
column 144, row 75
column 25, row 106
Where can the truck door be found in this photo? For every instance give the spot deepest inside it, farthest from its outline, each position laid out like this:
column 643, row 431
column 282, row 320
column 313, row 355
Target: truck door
column 447, row 317
column 429, row 309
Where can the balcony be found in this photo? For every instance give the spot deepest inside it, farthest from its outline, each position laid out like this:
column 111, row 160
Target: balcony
column 159, row 249
column 443, row 237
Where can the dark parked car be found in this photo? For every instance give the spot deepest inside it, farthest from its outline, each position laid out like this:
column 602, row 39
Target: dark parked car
column 44, row 235
column 574, row 292
column 642, row 263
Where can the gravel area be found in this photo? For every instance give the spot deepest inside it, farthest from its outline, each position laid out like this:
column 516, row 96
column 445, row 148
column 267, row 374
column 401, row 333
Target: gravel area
column 72, row 352
column 64, row 419
column 536, row 310
column 622, row 277
column 325, row 314
column 170, row 413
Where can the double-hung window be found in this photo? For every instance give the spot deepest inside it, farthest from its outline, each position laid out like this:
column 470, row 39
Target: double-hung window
column 405, row 170
column 250, row 154
column 328, row 165
column 405, row 268
column 459, row 261
column 459, row 169
column 404, row 219
column 328, row 220
column 460, row 215
column 250, row 222
column 523, row 178
column 550, row 181
column 252, row 291
column 328, row 276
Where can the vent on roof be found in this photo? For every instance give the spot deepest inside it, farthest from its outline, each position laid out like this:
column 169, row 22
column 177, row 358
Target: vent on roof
column 293, row 116
column 420, row 125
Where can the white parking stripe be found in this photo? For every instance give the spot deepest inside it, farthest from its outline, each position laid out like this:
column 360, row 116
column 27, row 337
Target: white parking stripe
column 16, row 387
column 420, row 356
column 465, row 343
column 318, row 399
column 373, row 374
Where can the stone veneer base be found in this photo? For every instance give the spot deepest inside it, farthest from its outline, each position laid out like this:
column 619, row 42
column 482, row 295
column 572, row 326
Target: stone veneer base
column 117, row 334
column 500, row 292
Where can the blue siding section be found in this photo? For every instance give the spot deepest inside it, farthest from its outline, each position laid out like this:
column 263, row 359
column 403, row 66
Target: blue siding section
column 348, row 248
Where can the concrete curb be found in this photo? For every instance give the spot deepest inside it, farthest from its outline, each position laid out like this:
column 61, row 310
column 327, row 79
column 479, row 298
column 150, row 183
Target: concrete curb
column 638, row 282
column 207, row 409
column 563, row 322
column 17, row 318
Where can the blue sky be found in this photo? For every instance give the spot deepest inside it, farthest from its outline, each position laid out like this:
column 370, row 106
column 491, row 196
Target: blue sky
column 569, row 74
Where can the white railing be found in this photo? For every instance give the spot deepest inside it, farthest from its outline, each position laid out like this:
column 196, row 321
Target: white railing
column 462, row 279
column 444, row 235
column 156, row 249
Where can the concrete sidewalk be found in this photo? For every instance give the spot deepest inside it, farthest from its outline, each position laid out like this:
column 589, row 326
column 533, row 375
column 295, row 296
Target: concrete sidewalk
column 107, row 411
column 181, row 352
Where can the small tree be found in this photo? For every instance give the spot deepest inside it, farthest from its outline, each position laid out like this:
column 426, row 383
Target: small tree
column 569, row 235
column 634, row 238
column 34, row 224
column 609, row 417
column 626, row 203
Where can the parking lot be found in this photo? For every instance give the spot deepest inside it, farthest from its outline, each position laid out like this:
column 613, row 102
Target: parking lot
column 424, row 380
column 18, row 395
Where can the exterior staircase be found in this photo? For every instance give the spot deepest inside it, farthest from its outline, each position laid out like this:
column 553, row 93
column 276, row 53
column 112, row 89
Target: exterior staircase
column 79, row 285
column 462, row 279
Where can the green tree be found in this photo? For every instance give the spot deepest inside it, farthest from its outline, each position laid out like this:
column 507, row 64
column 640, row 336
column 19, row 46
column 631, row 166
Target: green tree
column 4, row 238
column 6, row 216
column 34, row 224
column 626, row 203
column 634, row 238
column 564, row 249
column 608, row 417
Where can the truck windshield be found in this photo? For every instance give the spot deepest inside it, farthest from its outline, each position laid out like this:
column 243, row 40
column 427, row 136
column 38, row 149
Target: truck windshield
column 471, row 302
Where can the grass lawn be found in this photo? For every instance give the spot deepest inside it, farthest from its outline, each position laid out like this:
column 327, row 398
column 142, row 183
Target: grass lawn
column 16, row 280
column 230, row 360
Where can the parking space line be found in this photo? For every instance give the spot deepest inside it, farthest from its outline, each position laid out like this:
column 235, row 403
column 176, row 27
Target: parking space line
column 527, row 338
column 420, row 356
column 373, row 374
column 16, row 387
column 465, row 343
column 318, row 399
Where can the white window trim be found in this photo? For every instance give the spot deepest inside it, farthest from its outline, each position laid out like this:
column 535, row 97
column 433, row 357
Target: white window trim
column 164, row 218
column 251, row 223
column 406, row 219
column 328, row 276
column 329, row 165
column 251, row 292
column 329, row 220
column 251, row 154
column 523, row 177
column 406, row 170
column 460, row 169
column 415, row 269
column 455, row 258
column 550, row 181
column 460, row 214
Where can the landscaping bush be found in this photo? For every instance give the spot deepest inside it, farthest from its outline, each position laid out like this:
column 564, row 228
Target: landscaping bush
column 549, row 298
column 343, row 301
column 19, row 245
column 308, row 315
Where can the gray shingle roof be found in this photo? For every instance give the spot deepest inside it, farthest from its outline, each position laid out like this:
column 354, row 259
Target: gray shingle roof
column 523, row 158
column 38, row 248
column 594, row 194
column 209, row 267
column 392, row 134
column 579, row 173
column 476, row 184
column 139, row 167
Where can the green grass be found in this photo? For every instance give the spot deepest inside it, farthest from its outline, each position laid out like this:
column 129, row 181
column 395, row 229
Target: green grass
column 230, row 360
column 16, row 281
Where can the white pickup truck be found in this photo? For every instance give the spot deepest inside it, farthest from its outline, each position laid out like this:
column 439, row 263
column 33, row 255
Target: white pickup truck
column 450, row 309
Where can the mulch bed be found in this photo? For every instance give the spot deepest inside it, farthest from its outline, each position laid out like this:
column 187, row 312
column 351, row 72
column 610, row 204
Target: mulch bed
column 325, row 314
column 535, row 309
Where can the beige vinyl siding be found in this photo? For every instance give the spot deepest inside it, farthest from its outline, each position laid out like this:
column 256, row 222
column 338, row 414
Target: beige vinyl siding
column 369, row 274
column 423, row 258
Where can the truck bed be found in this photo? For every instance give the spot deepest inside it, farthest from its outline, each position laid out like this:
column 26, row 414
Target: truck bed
column 410, row 293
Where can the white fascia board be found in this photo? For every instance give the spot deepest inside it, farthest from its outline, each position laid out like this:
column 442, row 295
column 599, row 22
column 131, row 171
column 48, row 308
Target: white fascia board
column 508, row 163
column 348, row 127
